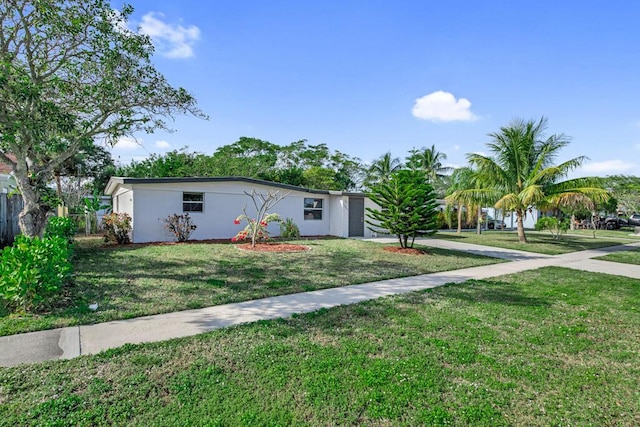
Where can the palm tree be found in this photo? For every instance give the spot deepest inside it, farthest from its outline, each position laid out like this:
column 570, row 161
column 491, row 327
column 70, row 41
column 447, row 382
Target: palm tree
column 460, row 194
column 520, row 173
column 381, row 169
column 430, row 161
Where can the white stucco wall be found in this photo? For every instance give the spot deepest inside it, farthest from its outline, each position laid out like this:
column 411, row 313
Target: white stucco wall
column 223, row 202
column 339, row 216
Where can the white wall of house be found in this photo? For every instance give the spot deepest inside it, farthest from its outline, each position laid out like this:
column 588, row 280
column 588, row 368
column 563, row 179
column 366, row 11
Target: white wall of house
column 511, row 221
column 7, row 183
column 223, row 201
column 339, row 216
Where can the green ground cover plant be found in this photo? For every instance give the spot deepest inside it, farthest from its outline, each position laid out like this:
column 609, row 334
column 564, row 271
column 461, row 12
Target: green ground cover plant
column 538, row 241
column 544, row 347
column 627, row 257
column 137, row 280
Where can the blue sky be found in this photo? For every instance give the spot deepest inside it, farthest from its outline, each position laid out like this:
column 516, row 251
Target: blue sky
column 367, row 77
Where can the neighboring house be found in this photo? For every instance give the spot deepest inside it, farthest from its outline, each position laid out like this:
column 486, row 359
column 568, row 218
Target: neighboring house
column 213, row 204
column 7, row 180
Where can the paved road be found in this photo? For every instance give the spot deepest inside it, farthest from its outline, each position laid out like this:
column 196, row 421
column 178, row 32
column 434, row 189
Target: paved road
column 66, row 343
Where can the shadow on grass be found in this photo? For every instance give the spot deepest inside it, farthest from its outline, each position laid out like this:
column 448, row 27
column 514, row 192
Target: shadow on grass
column 486, row 291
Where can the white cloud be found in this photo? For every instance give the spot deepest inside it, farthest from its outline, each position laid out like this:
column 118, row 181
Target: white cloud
column 607, row 167
column 442, row 106
column 170, row 40
column 163, row 144
column 127, row 143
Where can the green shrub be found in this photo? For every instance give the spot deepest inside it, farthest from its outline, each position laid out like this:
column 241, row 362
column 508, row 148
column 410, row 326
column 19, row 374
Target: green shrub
column 555, row 226
column 289, row 229
column 61, row 227
column 117, row 227
column 33, row 270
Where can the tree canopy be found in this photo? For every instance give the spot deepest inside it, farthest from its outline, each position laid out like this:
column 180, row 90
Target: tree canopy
column 299, row 163
column 72, row 74
column 626, row 190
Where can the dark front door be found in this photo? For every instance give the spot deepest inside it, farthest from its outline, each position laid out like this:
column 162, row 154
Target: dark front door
column 356, row 216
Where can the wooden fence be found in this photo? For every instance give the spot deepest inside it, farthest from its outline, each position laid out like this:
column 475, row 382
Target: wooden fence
column 10, row 207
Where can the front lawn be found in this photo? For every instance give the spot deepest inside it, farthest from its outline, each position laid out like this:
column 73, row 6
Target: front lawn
column 140, row 280
column 627, row 257
column 544, row 347
column 538, row 242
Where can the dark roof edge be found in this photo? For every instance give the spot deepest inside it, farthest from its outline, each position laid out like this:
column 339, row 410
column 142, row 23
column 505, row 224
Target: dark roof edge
column 125, row 180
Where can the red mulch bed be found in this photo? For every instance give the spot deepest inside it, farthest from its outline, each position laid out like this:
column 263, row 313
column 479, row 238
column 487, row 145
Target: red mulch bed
column 407, row 251
column 273, row 247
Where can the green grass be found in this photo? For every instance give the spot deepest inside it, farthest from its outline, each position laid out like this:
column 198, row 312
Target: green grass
column 623, row 233
column 627, row 257
column 540, row 242
column 544, row 347
column 139, row 280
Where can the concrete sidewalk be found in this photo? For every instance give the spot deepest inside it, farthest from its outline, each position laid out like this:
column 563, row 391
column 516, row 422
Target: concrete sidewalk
column 66, row 343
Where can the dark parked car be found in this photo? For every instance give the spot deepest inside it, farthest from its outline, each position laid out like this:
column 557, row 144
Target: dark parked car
column 634, row 220
column 613, row 223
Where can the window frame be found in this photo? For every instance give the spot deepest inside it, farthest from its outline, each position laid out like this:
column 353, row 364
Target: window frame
column 193, row 202
column 313, row 212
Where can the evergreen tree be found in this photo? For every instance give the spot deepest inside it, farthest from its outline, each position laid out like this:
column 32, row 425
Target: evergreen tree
column 407, row 207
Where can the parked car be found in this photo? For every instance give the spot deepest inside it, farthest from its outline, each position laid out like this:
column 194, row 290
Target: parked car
column 634, row 220
column 613, row 223
column 497, row 224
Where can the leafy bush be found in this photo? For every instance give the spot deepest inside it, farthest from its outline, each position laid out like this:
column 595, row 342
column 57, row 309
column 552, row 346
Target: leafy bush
column 117, row 227
column 555, row 226
column 33, row 270
column 61, row 227
column 289, row 229
column 180, row 226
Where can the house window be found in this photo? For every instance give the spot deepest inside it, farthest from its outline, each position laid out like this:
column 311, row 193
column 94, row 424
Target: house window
column 312, row 209
column 192, row 202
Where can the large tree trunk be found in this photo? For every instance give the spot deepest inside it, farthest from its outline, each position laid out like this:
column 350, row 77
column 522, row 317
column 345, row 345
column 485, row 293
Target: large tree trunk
column 520, row 223
column 479, row 221
column 459, row 218
column 33, row 217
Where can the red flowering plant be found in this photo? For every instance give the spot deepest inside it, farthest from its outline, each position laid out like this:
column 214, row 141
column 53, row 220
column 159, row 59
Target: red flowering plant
column 256, row 228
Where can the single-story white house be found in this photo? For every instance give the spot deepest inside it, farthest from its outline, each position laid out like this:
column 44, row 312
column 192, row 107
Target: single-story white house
column 214, row 202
